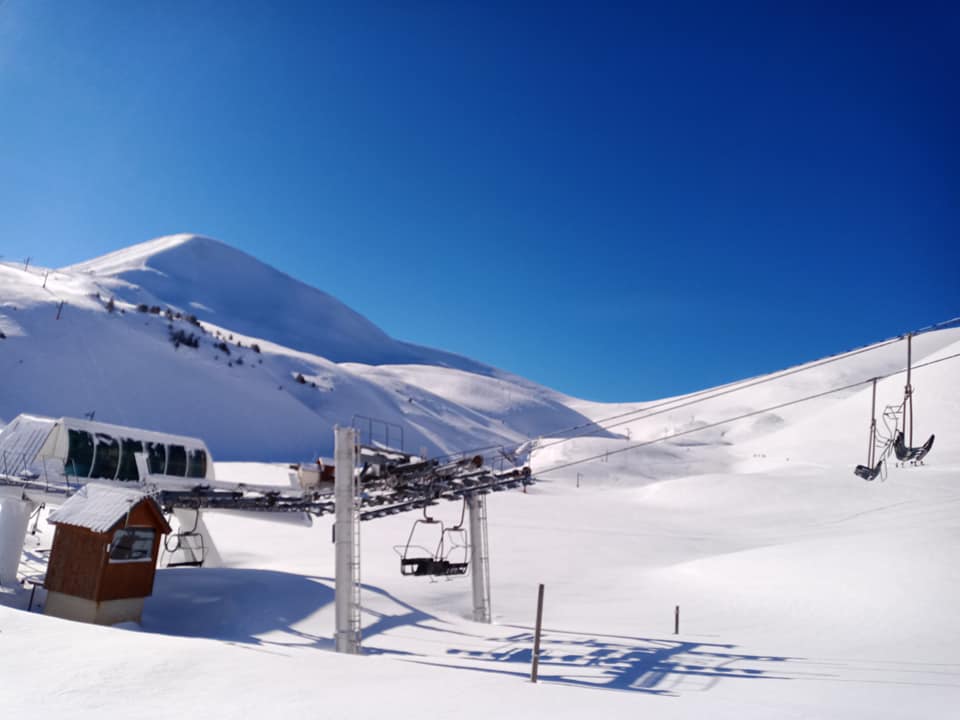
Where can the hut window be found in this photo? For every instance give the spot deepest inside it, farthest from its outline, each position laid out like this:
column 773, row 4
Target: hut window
column 80, row 453
column 107, row 458
column 197, row 465
column 177, row 464
column 132, row 544
column 128, row 460
column 156, row 458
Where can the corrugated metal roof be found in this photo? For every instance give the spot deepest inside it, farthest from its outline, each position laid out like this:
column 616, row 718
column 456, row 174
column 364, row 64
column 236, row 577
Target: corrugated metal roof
column 97, row 507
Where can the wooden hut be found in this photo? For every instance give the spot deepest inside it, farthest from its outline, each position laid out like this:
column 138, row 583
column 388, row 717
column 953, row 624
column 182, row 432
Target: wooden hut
column 104, row 555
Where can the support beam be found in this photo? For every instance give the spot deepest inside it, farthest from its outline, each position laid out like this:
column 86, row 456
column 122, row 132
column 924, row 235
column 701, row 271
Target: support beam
column 347, row 539
column 479, row 557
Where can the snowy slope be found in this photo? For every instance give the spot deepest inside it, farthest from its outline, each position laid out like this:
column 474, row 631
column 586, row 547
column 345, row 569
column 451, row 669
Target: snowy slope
column 227, row 287
column 805, row 592
column 816, row 431
column 246, row 403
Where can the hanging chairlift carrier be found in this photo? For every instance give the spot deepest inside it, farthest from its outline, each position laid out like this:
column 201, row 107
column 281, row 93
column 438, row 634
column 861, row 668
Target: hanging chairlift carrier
column 898, row 421
column 872, row 469
column 189, row 543
column 914, row 455
column 417, row 561
column 903, row 445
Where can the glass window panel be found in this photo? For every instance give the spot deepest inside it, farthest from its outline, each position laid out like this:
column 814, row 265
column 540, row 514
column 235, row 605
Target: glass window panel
column 128, row 460
column 156, row 458
column 132, row 544
column 107, row 457
column 80, row 453
column 177, row 461
column 197, row 464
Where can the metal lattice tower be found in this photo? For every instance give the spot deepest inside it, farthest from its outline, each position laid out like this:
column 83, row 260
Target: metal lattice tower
column 479, row 557
column 347, row 539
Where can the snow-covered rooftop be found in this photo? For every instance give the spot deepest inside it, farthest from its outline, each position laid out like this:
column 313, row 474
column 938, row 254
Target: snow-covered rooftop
column 97, row 507
column 21, row 440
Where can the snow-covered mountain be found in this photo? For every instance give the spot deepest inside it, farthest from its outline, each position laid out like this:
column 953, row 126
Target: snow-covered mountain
column 804, row 591
column 276, row 364
column 225, row 286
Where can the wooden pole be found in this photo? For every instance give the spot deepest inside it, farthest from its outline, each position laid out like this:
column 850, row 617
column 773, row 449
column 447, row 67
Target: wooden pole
column 676, row 620
column 536, row 637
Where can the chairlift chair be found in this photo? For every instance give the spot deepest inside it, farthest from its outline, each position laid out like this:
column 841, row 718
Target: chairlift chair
column 913, row 455
column 453, row 552
column 903, row 446
column 189, row 543
column 898, row 421
column 418, row 561
column 874, row 466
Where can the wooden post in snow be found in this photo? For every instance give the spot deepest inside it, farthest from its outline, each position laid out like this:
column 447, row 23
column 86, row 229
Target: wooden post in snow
column 536, row 636
column 676, row 620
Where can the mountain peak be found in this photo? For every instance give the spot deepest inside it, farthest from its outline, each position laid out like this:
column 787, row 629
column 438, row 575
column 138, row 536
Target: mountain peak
column 139, row 256
column 226, row 286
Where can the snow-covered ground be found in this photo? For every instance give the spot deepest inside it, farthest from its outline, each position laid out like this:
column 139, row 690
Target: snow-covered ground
column 277, row 363
column 805, row 592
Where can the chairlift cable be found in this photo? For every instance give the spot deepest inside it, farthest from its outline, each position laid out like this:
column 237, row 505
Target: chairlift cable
column 668, row 405
column 700, row 396
column 694, row 398
column 737, row 418
column 665, row 406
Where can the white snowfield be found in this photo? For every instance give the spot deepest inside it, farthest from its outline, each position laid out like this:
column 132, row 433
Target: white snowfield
column 804, row 591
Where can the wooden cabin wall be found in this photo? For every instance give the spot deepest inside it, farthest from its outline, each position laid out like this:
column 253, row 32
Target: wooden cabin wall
column 76, row 560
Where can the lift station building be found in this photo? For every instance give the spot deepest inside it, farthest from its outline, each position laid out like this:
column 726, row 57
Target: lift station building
column 69, row 450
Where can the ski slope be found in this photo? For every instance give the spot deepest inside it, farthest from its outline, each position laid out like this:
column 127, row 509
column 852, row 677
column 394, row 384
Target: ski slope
column 805, row 592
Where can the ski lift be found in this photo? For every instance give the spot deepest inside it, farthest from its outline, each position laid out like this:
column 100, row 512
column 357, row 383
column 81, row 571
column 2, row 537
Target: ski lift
column 454, row 546
column 903, row 445
column 913, row 455
column 448, row 559
column 898, row 421
column 189, row 543
column 872, row 469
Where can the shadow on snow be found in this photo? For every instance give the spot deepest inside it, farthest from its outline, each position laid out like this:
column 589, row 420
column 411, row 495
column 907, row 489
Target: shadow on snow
column 263, row 607
column 649, row 665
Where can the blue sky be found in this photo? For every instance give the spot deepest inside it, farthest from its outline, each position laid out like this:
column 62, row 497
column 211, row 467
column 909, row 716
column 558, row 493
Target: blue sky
column 618, row 203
